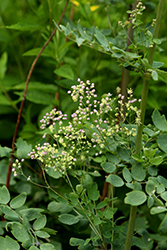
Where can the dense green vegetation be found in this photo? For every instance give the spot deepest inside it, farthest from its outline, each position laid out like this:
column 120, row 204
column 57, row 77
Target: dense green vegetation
column 94, row 176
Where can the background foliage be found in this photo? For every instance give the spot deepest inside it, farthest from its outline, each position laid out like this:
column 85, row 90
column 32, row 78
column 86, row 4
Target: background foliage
column 25, row 27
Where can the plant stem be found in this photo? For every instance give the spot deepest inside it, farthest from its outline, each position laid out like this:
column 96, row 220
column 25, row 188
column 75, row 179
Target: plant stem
column 125, row 72
column 133, row 210
column 24, row 97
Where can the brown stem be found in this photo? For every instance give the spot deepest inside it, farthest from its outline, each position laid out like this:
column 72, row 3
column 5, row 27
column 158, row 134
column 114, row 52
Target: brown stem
column 105, row 191
column 24, row 96
column 125, row 72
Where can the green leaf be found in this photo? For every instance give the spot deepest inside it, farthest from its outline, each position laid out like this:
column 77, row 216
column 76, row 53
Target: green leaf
column 4, row 195
column 163, row 226
column 157, row 200
column 79, row 188
column 137, row 186
column 137, row 158
column 157, row 40
column 18, row 201
column 130, row 185
column 99, row 159
column 162, row 142
column 150, row 187
column 162, row 180
column 157, row 210
column 50, row 88
column 83, row 33
column 65, row 71
column 68, row 219
column 47, row 246
column 150, row 201
column 42, row 234
column 143, row 242
column 127, row 175
column 96, row 221
column 109, row 212
column 159, row 121
column 56, row 207
column 40, row 222
column 138, row 172
column 8, row 243
column 135, row 198
column 154, row 179
column 124, row 154
column 53, row 173
column 22, row 148
column 25, row 222
column 9, row 213
column 152, row 170
column 109, row 167
column 93, row 192
column 24, row 26
column 164, row 195
column 35, row 52
column 102, row 39
column 157, row 65
column 76, row 242
column 162, row 74
column 67, row 30
column 31, row 213
column 113, row 158
column 103, row 203
column 4, row 100
column 157, row 160
column 131, row 56
column 154, row 75
column 40, row 97
column 160, row 189
column 4, row 151
column 149, row 131
column 33, row 248
column 79, row 41
column 20, row 232
column 49, row 231
column 57, row 25
column 115, row 180
column 3, row 65
column 86, row 180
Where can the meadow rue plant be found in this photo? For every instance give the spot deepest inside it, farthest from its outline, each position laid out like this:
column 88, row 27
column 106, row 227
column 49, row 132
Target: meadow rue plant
column 89, row 132
column 106, row 138
column 93, row 144
column 78, row 146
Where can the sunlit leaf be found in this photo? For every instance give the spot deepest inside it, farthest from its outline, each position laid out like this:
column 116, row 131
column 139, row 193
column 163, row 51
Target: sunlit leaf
column 157, row 210
column 115, row 180
column 135, row 198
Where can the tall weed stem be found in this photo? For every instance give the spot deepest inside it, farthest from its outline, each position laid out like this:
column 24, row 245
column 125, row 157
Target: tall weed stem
column 133, row 210
column 24, row 97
